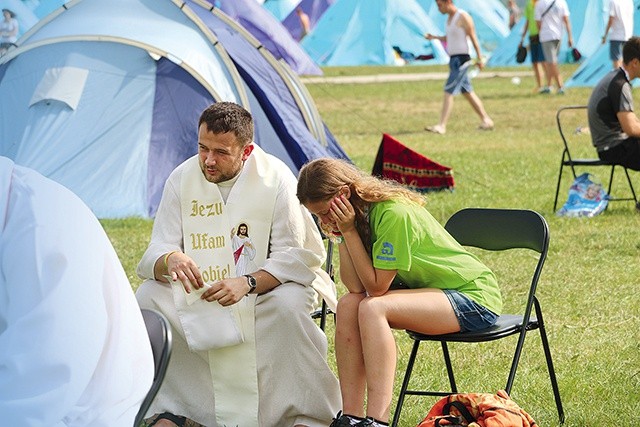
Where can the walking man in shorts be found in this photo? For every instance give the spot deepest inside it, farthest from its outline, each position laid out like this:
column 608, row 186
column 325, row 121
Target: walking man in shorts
column 459, row 30
column 550, row 16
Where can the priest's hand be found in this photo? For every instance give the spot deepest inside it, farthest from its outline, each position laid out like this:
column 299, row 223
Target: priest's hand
column 227, row 291
column 181, row 267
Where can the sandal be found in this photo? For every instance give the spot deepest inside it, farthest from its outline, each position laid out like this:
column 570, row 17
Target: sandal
column 176, row 419
column 435, row 129
column 486, row 126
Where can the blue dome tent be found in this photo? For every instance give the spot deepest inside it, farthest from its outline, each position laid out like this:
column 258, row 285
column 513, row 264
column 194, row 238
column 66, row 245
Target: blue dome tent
column 364, row 32
column 270, row 33
column 104, row 97
column 314, row 10
column 279, row 8
column 598, row 64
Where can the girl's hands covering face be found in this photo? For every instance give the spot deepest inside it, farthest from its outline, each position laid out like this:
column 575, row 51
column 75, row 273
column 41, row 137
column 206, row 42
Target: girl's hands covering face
column 343, row 213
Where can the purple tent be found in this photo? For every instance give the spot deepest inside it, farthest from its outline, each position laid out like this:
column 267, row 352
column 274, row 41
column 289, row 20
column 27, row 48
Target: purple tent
column 313, row 8
column 267, row 30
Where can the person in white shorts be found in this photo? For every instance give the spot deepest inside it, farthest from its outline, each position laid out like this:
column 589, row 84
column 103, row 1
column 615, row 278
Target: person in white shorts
column 551, row 16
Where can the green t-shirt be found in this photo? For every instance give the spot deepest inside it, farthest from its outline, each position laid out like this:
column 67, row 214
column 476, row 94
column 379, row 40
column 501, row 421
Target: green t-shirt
column 529, row 14
column 405, row 237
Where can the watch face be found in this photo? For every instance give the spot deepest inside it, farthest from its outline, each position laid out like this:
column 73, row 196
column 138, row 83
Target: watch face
column 252, row 282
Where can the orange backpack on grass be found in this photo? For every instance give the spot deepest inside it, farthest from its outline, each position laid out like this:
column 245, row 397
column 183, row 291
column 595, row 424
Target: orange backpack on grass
column 477, row 410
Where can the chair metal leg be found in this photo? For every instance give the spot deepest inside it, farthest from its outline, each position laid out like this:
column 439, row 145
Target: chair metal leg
column 447, row 360
column 613, row 168
column 634, row 197
column 329, row 269
column 516, row 360
column 323, row 315
column 547, row 355
column 405, row 383
column 555, row 200
column 633, row 191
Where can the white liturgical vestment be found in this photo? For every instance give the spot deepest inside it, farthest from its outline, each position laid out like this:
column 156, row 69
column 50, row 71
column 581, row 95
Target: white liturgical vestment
column 294, row 382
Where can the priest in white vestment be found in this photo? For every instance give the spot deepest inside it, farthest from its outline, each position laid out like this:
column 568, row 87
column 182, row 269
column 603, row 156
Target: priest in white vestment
column 74, row 350
column 246, row 351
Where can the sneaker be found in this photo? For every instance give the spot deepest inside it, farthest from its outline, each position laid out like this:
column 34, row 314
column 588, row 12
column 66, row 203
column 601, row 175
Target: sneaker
column 370, row 422
column 560, row 91
column 342, row 420
column 545, row 90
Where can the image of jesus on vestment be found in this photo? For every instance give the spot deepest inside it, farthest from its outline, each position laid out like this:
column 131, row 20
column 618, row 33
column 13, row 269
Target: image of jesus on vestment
column 243, row 250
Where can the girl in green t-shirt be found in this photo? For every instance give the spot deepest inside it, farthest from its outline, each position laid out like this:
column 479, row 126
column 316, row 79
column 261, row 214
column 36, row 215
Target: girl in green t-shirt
column 402, row 270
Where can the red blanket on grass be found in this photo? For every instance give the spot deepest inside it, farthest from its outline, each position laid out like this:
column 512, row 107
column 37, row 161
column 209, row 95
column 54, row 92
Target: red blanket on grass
column 400, row 163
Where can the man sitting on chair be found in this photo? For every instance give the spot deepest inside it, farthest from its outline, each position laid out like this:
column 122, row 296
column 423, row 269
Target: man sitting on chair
column 615, row 129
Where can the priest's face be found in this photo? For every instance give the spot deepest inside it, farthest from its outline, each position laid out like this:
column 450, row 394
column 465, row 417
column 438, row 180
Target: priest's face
column 221, row 154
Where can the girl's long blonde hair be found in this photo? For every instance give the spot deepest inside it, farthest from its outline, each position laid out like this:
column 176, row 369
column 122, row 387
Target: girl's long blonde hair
column 320, row 180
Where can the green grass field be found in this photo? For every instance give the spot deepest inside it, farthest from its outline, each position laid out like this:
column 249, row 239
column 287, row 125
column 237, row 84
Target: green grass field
column 587, row 287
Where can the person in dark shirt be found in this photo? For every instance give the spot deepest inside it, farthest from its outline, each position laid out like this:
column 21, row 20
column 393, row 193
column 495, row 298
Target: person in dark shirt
column 615, row 129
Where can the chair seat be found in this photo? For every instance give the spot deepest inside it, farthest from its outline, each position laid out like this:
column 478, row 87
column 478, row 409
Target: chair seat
column 507, row 324
column 587, row 162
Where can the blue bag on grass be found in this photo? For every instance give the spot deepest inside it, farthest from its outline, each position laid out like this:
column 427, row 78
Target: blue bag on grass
column 586, row 198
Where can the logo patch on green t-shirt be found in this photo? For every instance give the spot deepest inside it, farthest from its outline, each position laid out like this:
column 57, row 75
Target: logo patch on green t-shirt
column 386, row 254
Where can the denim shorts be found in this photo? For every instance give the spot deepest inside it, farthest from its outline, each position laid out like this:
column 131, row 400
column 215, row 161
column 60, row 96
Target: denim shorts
column 615, row 50
column 458, row 80
column 471, row 315
column 536, row 52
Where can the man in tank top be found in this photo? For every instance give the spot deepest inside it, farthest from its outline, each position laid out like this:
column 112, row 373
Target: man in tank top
column 459, row 31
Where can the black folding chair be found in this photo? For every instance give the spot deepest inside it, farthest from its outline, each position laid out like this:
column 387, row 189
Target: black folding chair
column 324, row 310
column 160, row 337
column 569, row 160
column 494, row 230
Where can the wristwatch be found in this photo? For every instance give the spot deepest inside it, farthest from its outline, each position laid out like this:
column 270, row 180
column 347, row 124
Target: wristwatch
column 251, row 281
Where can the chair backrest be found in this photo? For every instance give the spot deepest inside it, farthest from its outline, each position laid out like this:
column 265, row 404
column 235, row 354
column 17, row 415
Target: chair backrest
column 501, row 229
column 577, row 124
column 159, row 333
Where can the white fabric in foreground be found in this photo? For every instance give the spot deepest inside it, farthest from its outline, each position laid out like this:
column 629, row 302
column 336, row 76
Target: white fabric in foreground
column 74, row 351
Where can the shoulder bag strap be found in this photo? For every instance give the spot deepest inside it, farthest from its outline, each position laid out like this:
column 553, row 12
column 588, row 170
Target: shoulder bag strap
column 548, row 9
